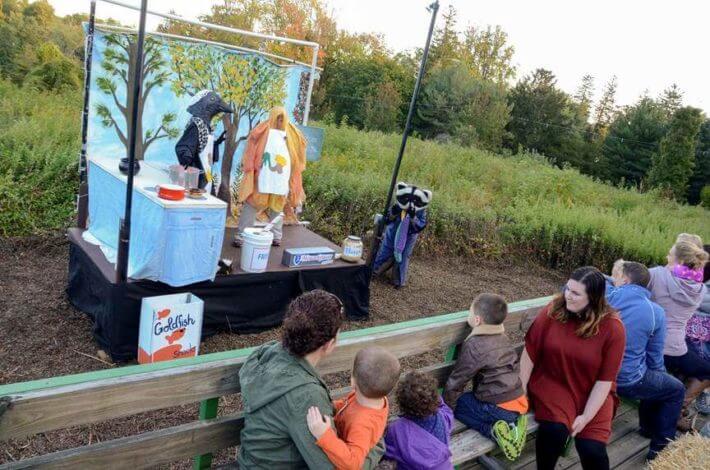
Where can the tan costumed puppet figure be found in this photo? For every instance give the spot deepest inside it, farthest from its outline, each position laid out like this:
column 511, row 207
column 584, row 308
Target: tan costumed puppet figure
column 272, row 167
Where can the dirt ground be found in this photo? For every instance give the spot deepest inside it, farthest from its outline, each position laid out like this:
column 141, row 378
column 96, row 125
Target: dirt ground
column 42, row 335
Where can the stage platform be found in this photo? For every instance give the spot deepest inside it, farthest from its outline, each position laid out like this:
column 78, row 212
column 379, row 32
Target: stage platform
column 240, row 302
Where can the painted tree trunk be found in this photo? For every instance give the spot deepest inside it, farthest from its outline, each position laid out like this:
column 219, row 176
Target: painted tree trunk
column 231, row 125
column 132, row 53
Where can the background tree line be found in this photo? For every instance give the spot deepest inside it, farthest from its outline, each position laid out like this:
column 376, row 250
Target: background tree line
column 472, row 93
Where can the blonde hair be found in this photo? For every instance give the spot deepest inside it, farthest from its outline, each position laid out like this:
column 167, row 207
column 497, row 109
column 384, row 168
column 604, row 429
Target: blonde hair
column 689, row 254
column 690, row 238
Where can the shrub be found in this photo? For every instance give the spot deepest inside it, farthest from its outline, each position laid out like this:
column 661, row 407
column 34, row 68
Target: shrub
column 39, row 144
column 488, row 205
column 705, row 197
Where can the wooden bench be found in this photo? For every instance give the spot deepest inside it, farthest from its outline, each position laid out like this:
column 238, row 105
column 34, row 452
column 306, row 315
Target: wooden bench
column 40, row 406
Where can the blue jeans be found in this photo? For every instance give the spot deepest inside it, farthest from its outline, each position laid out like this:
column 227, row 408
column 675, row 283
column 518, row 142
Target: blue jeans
column 661, row 397
column 481, row 416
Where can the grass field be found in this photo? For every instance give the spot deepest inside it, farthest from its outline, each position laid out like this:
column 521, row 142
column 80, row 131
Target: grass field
column 483, row 205
column 486, row 204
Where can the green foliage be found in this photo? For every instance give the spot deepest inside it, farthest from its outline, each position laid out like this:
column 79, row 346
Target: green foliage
column 471, row 110
column 544, row 119
column 445, row 44
column 671, row 100
column 705, row 197
column 488, row 205
column 584, row 96
column 382, row 108
column 632, row 140
column 30, row 37
column 701, row 172
column 59, row 74
column 606, row 108
column 349, row 81
column 39, row 148
column 487, row 54
column 673, row 166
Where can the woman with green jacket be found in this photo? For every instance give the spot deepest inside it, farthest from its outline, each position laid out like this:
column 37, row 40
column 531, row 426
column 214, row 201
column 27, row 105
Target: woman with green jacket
column 279, row 383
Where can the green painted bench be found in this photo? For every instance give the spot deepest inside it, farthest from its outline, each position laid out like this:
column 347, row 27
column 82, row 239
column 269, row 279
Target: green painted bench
column 40, row 406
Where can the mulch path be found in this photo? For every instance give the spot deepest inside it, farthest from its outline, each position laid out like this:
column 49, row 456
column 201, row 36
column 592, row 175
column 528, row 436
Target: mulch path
column 43, row 335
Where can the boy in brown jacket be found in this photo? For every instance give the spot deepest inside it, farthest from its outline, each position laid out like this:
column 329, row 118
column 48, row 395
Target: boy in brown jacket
column 497, row 406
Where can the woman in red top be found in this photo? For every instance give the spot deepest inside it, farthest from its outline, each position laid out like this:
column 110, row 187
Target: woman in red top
column 572, row 355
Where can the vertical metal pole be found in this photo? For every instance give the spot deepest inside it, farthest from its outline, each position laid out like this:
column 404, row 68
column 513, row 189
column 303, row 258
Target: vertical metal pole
column 434, row 8
column 124, row 233
column 82, row 204
column 312, row 77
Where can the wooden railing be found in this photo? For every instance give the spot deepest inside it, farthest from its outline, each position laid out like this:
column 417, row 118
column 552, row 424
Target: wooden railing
column 39, row 406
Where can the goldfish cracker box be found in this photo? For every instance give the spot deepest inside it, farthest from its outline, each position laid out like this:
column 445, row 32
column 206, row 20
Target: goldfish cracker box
column 170, row 327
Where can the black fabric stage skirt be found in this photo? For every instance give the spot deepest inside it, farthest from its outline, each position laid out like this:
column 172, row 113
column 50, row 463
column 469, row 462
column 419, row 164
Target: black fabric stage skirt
column 240, row 303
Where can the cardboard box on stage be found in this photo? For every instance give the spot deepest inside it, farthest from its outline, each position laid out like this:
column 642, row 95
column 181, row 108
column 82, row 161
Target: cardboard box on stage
column 170, row 327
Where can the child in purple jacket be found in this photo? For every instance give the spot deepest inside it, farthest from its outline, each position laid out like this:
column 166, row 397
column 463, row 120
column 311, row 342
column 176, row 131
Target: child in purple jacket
column 419, row 438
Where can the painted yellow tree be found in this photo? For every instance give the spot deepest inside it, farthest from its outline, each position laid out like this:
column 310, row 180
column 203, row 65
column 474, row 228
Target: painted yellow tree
column 250, row 84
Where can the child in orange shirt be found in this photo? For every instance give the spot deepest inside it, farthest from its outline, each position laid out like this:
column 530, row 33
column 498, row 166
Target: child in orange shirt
column 361, row 417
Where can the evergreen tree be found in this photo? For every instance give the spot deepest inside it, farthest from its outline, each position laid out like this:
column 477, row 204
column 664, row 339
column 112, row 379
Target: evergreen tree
column 445, row 45
column 606, row 108
column 632, row 140
column 672, row 167
column 544, row 119
column 701, row 172
column 584, row 96
column 671, row 100
column 459, row 105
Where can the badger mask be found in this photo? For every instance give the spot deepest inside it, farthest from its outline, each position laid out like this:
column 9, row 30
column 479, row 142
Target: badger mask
column 408, row 196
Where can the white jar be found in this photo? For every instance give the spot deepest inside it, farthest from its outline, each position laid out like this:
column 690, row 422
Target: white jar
column 352, row 249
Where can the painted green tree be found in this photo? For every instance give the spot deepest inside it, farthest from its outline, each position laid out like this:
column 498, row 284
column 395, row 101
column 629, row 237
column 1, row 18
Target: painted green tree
column 118, row 64
column 250, row 84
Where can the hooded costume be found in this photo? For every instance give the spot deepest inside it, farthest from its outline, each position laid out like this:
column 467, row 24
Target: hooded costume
column 257, row 164
column 406, row 219
column 197, row 147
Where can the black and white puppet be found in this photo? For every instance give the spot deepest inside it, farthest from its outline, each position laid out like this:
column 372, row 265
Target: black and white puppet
column 406, row 219
column 197, row 147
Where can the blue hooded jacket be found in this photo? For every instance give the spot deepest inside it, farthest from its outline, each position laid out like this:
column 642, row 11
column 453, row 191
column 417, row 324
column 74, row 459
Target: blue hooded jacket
column 645, row 324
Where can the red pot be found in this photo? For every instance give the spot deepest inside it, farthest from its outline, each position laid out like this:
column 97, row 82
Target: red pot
column 171, row 192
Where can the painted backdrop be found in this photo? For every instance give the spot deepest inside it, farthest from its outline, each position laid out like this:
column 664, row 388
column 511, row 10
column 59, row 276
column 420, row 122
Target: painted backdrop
column 173, row 71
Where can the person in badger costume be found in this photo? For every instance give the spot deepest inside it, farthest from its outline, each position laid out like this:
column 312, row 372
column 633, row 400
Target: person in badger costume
column 406, row 219
column 197, row 147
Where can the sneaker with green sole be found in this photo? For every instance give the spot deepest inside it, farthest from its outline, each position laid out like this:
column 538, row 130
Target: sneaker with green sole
column 505, row 436
column 521, row 432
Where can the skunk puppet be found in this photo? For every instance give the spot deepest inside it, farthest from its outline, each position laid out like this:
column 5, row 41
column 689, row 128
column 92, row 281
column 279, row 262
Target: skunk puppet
column 406, row 218
column 197, row 147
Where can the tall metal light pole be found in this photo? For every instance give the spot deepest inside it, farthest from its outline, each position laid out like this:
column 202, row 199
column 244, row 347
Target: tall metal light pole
column 379, row 227
column 124, row 231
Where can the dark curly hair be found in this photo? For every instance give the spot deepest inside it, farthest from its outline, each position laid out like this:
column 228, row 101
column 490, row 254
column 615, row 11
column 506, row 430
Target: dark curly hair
column 312, row 320
column 417, row 395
